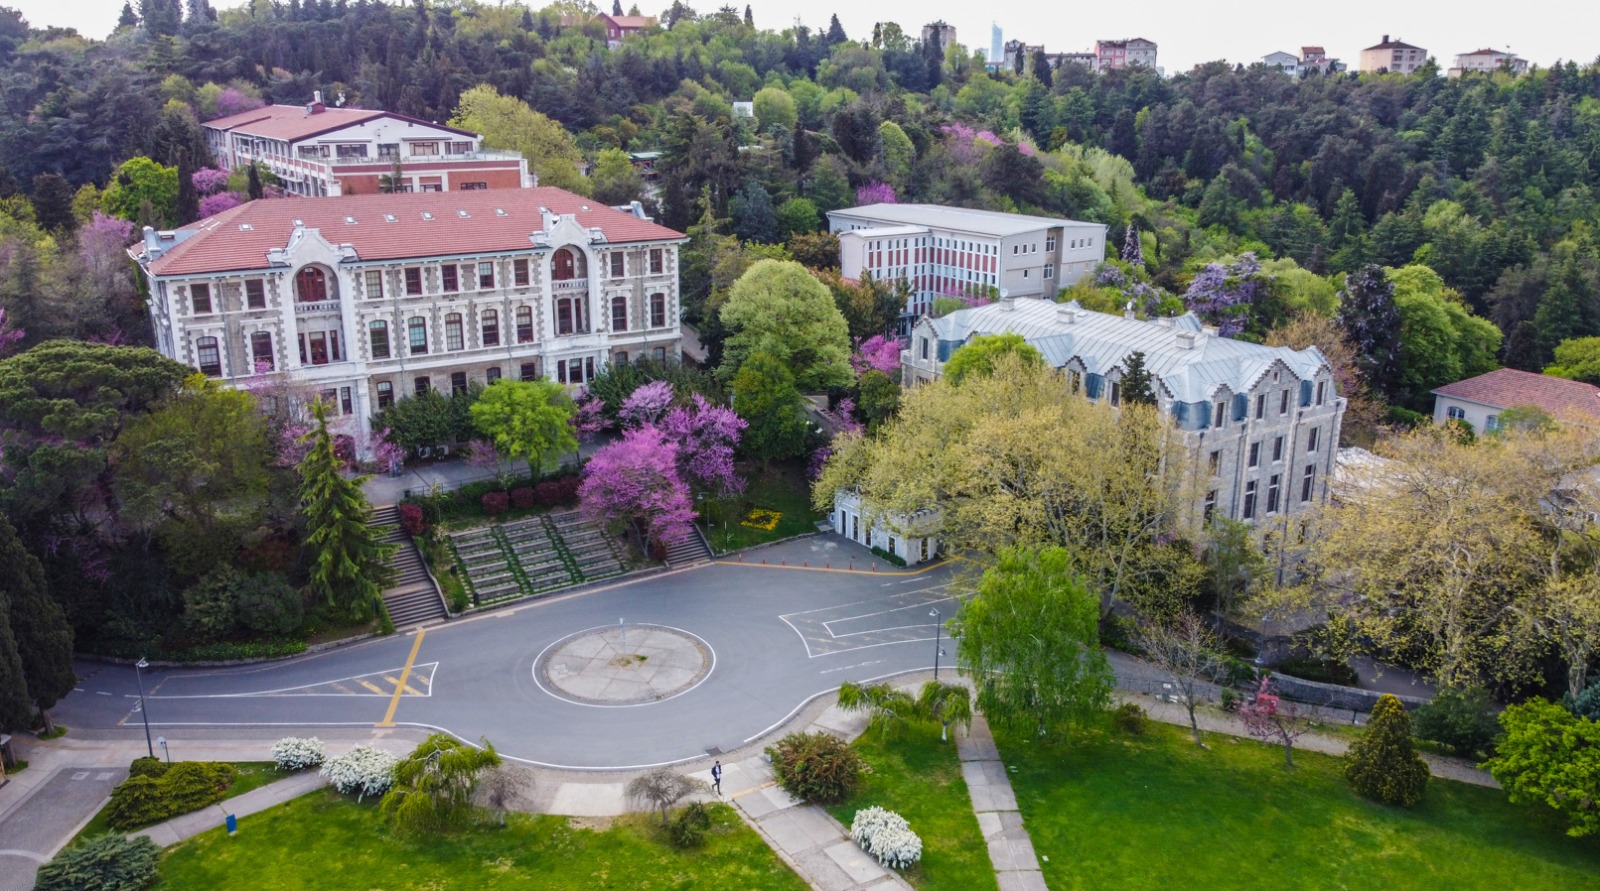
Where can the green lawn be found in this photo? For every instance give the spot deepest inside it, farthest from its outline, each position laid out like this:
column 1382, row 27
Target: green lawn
column 783, row 488
column 1126, row 812
column 919, row 777
column 249, row 775
column 329, row 842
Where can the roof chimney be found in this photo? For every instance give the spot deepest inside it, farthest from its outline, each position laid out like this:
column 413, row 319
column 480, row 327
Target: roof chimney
column 1385, row 38
column 1127, row 311
column 1007, row 304
column 1187, row 340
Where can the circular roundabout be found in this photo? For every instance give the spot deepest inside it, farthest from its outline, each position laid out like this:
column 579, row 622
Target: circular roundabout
column 618, row 667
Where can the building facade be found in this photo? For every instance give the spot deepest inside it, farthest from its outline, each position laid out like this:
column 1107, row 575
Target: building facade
column 940, row 31
column 1315, row 58
column 1479, row 401
column 621, row 27
column 1111, row 54
column 320, row 151
column 1288, row 63
column 362, row 300
column 913, row 539
column 1260, row 425
column 1488, row 61
column 953, row 251
column 1393, row 56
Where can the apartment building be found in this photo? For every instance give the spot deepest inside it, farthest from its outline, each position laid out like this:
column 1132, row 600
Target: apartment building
column 319, row 151
column 953, row 251
column 1488, row 61
column 1260, row 424
column 1111, row 54
column 364, row 299
column 1392, row 56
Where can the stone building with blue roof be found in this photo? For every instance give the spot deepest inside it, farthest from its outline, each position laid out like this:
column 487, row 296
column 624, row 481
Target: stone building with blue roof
column 1261, row 423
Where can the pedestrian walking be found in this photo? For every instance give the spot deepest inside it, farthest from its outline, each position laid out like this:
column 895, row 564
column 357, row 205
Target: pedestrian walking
column 716, row 778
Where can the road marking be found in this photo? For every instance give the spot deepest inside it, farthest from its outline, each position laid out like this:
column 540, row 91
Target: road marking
column 929, row 568
column 370, row 686
column 848, row 667
column 830, row 630
column 399, row 690
column 373, row 683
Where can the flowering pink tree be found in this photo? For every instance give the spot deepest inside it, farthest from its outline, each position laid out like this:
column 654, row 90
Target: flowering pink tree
column 875, row 193
column 877, row 353
column 706, row 436
column 636, row 480
column 386, row 452
column 590, row 417
column 846, row 410
column 232, row 101
column 646, row 405
column 211, row 205
column 1273, row 721
column 209, row 180
column 8, row 335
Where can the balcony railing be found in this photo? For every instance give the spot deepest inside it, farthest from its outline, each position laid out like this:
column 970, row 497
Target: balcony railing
column 570, row 284
column 311, row 309
column 485, row 155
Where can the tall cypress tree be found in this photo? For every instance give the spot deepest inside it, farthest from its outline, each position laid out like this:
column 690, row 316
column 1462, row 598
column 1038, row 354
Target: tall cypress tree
column 1138, row 386
column 39, row 628
column 16, row 704
column 1382, row 764
column 349, row 559
column 254, row 185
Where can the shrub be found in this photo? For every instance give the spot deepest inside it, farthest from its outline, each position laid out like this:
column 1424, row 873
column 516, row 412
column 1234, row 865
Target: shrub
column 1129, row 718
column 363, row 770
column 1229, row 699
column 495, row 503
column 887, row 836
column 892, row 558
column 106, row 863
column 296, row 753
column 689, row 825
column 1587, row 703
column 558, row 493
column 1322, row 671
column 411, row 519
column 1382, row 765
column 658, row 551
column 147, row 766
column 186, row 786
column 817, row 767
column 1117, row 632
column 522, row 497
column 1464, row 720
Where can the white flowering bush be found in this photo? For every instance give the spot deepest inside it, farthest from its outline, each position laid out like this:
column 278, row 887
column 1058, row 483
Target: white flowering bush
column 363, row 770
column 887, row 836
column 295, row 753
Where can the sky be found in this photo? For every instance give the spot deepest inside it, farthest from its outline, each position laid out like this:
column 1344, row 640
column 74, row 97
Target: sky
column 1187, row 32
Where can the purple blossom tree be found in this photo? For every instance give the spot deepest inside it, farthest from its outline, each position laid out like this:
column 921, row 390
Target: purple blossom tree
column 875, row 193
column 591, row 416
column 1133, row 248
column 817, row 461
column 386, row 453
column 232, row 101
column 211, row 205
column 877, row 353
column 846, row 412
column 706, row 436
column 646, row 405
column 209, row 180
column 1274, row 721
column 1225, row 296
column 636, row 480
column 482, row 454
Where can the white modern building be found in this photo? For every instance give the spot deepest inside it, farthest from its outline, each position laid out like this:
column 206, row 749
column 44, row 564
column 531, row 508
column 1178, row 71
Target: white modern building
column 1288, row 63
column 1260, row 424
column 320, row 150
column 1488, row 61
column 953, row 251
column 365, row 299
column 1395, row 56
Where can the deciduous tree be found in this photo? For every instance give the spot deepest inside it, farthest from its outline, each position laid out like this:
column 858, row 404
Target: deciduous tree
column 662, row 788
column 780, row 308
column 764, row 395
column 979, row 356
column 1551, row 756
column 1030, row 640
column 636, row 480
column 434, row 785
column 507, row 122
column 1274, row 720
column 1187, row 652
column 529, row 420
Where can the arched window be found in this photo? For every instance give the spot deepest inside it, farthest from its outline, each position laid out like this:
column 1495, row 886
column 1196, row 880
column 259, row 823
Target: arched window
column 417, row 333
column 568, row 264
column 310, row 285
column 208, row 356
column 379, row 332
column 491, row 328
column 452, row 331
column 524, row 324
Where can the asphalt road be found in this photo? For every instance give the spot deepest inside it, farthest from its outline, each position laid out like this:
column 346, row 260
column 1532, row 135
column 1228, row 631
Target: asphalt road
column 780, row 636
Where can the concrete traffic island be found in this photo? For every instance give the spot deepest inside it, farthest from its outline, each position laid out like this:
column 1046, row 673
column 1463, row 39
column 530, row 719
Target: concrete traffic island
column 624, row 665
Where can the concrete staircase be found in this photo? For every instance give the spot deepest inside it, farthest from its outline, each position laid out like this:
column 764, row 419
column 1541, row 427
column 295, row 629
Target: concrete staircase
column 411, row 600
column 691, row 550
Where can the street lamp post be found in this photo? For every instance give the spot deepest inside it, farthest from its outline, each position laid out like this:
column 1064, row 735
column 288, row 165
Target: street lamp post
column 937, row 652
column 138, row 673
column 162, row 742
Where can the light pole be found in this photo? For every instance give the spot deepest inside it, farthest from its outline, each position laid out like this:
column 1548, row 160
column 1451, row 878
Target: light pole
column 162, row 742
column 138, row 673
column 937, row 652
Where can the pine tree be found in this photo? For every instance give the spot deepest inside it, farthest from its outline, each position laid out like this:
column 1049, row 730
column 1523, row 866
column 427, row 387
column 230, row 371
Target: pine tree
column 254, row 188
column 749, row 20
column 16, row 705
column 835, row 33
column 52, row 203
column 1132, row 247
column 39, row 628
column 1382, row 765
column 1368, row 315
column 349, row 559
column 616, row 7
column 1138, row 385
column 128, row 19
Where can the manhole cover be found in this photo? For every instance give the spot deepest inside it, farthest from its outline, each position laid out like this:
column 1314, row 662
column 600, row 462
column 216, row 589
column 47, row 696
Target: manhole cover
column 614, row 666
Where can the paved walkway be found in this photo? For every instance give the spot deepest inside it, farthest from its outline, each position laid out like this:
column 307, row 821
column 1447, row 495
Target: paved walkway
column 1016, row 866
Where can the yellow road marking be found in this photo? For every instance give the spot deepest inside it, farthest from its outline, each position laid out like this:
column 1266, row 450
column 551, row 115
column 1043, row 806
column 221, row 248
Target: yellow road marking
column 410, row 691
column 402, row 686
column 399, row 689
column 884, row 574
column 371, row 686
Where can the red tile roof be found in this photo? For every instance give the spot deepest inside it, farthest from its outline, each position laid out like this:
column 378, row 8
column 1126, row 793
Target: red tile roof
column 1506, row 387
column 292, row 122
column 220, row 245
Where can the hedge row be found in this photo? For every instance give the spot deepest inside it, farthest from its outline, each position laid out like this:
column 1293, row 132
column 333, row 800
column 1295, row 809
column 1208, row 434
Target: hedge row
column 153, row 795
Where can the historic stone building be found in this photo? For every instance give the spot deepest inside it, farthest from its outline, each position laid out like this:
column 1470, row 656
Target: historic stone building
column 365, row 299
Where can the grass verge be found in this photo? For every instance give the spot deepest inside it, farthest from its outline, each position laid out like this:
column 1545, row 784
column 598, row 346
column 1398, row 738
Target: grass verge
column 1156, row 812
column 782, row 489
column 919, row 777
column 248, row 775
column 331, row 843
